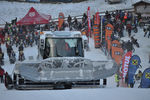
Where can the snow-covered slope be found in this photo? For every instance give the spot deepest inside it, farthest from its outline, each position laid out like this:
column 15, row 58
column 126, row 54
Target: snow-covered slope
column 11, row 10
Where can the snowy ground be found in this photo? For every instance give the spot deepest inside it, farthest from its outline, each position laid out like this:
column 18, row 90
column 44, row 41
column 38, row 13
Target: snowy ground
column 9, row 10
column 78, row 94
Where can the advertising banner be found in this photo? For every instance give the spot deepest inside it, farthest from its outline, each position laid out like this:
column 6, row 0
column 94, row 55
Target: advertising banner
column 145, row 82
column 125, row 64
column 133, row 66
column 89, row 21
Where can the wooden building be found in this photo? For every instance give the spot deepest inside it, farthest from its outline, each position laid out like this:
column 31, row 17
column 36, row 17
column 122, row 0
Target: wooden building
column 142, row 6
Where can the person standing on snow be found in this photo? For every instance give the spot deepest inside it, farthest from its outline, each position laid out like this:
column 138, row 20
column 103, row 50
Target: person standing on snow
column 139, row 75
column 149, row 57
column 1, row 57
column 134, row 41
column 126, row 79
column 21, row 48
column 84, row 18
column 8, row 81
column 129, row 46
column 21, row 54
column 129, row 28
column 1, row 74
column 69, row 20
column 9, row 49
column 145, row 30
column 117, row 79
column 148, row 31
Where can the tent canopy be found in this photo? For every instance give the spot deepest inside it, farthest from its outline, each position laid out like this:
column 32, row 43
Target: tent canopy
column 33, row 17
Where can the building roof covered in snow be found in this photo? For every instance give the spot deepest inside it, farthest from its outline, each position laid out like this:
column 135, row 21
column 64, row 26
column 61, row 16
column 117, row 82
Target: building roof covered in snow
column 135, row 2
column 142, row 6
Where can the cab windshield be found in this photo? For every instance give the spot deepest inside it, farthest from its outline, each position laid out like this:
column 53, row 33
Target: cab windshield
column 63, row 47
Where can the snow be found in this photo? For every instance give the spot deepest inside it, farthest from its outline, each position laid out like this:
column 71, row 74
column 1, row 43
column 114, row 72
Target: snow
column 136, row 1
column 78, row 94
column 98, row 55
column 18, row 10
column 10, row 10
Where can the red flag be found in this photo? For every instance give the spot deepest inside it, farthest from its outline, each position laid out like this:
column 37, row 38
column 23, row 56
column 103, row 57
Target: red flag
column 125, row 63
column 89, row 21
column 97, row 18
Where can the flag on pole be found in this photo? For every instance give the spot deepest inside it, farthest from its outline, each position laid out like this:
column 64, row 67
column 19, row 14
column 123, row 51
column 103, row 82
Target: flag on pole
column 145, row 81
column 133, row 66
column 89, row 21
column 125, row 64
column 97, row 18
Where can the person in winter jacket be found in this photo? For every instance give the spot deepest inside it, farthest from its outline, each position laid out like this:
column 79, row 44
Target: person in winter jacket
column 1, row 57
column 12, row 57
column 8, row 81
column 69, row 20
column 84, row 18
column 129, row 46
column 126, row 79
column 134, row 41
column 148, row 31
column 139, row 17
column 125, row 18
column 123, row 45
column 21, row 48
column 117, row 79
column 145, row 31
column 9, row 49
column 21, row 53
column 129, row 28
column 149, row 58
column 1, row 74
column 139, row 75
